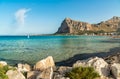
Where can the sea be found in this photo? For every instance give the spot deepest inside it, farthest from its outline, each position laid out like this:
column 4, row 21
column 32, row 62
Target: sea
column 20, row 49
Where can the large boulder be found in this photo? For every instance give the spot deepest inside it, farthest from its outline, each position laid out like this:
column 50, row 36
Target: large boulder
column 32, row 74
column 46, row 74
column 44, row 64
column 115, row 69
column 23, row 67
column 3, row 63
column 80, row 63
column 115, row 58
column 59, row 76
column 63, row 69
column 14, row 74
column 99, row 65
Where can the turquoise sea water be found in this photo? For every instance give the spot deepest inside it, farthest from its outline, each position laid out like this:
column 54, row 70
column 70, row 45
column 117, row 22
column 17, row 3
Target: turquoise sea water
column 20, row 48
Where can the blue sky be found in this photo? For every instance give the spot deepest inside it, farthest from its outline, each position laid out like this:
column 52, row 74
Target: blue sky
column 45, row 16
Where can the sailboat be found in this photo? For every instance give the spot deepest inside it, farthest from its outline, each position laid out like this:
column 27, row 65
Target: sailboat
column 28, row 36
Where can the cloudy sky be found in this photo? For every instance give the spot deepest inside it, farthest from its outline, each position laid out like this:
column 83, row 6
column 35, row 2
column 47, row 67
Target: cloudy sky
column 45, row 16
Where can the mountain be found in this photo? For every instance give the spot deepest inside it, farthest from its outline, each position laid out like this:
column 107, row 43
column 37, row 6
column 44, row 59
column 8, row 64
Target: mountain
column 75, row 27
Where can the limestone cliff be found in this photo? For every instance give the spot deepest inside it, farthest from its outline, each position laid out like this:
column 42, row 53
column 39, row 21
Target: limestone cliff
column 71, row 26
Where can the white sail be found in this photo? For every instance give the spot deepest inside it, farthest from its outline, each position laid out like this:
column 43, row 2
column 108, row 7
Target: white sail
column 28, row 36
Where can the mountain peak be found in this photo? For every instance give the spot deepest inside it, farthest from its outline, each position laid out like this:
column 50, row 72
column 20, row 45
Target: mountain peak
column 114, row 19
column 67, row 18
column 72, row 26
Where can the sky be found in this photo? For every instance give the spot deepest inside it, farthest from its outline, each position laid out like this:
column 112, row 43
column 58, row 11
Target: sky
column 20, row 17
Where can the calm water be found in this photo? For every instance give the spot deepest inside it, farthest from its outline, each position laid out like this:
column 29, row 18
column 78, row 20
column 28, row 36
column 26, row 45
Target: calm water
column 21, row 49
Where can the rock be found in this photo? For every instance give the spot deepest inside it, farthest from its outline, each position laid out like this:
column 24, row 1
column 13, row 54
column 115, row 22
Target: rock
column 115, row 69
column 75, row 27
column 3, row 63
column 46, row 74
column 63, row 78
column 113, row 20
column 115, row 58
column 24, row 67
column 63, row 69
column 80, row 63
column 99, row 65
column 14, row 74
column 44, row 64
column 57, row 75
column 60, row 72
column 32, row 74
column 72, row 26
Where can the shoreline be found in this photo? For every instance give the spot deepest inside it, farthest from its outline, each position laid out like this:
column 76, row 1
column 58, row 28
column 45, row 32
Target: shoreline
column 70, row 61
column 47, row 68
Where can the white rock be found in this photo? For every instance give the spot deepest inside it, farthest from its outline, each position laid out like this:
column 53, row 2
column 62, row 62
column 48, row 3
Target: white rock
column 80, row 63
column 99, row 65
column 64, row 69
column 3, row 63
column 32, row 74
column 115, row 68
column 46, row 74
column 44, row 64
column 23, row 67
column 14, row 74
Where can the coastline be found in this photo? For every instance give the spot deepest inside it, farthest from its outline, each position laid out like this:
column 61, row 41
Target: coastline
column 117, row 36
column 68, row 62
column 48, row 69
column 112, row 36
column 58, row 70
column 84, row 56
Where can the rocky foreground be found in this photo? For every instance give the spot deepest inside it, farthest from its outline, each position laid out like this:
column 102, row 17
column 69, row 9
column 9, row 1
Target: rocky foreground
column 107, row 68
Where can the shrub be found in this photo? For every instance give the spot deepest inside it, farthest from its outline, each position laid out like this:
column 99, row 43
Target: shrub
column 3, row 70
column 3, row 76
column 25, row 74
column 82, row 73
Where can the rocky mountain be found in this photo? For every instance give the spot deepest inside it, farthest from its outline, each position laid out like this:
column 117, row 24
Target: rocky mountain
column 71, row 26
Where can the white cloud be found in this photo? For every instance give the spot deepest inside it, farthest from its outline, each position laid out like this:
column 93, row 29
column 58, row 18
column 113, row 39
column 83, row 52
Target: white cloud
column 20, row 16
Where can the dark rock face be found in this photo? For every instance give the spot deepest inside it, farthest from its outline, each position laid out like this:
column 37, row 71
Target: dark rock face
column 71, row 26
column 64, row 27
column 60, row 72
column 113, row 58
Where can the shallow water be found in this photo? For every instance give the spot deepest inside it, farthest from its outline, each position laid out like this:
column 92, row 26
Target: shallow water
column 14, row 49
